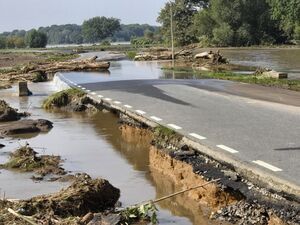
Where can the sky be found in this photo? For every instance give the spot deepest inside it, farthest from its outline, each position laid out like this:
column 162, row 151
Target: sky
column 27, row 14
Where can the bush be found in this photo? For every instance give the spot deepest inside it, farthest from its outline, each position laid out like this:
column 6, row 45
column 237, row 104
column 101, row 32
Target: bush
column 223, row 35
column 131, row 54
column 36, row 39
column 2, row 42
column 297, row 33
column 243, row 36
column 105, row 43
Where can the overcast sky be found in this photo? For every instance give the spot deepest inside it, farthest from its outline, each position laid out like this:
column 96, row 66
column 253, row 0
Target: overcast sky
column 27, row 14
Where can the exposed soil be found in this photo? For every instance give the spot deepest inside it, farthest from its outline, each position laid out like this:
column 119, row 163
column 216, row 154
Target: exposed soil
column 69, row 206
column 25, row 159
column 8, row 113
column 232, row 199
column 25, row 126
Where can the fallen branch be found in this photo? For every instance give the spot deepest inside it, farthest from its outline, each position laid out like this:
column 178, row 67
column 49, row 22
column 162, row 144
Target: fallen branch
column 25, row 218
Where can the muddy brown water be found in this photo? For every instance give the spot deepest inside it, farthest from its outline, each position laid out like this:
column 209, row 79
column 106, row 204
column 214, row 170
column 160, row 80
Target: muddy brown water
column 96, row 145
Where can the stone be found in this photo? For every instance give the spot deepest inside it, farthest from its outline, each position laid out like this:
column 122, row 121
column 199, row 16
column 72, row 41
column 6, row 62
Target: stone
column 23, row 89
column 275, row 74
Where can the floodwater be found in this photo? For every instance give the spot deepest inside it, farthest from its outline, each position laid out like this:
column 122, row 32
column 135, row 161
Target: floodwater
column 283, row 59
column 93, row 144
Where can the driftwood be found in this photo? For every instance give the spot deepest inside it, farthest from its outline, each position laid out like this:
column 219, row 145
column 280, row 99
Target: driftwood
column 29, row 72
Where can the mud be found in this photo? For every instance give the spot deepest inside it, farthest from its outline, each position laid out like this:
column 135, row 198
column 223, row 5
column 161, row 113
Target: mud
column 25, row 126
column 8, row 113
column 25, row 159
column 69, row 206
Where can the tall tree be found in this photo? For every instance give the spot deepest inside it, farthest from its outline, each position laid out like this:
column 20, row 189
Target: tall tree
column 99, row 28
column 288, row 13
column 183, row 12
column 36, row 39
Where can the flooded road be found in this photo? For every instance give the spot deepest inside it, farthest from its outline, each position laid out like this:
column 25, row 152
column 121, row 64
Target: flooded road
column 93, row 144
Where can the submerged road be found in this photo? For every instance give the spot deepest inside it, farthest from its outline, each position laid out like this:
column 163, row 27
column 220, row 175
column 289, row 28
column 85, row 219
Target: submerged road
column 263, row 133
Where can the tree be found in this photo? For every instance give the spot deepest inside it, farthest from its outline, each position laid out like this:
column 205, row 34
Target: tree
column 183, row 12
column 287, row 12
column 36, row 39
column 99, row 28
column 223, row 35
column 2, row 42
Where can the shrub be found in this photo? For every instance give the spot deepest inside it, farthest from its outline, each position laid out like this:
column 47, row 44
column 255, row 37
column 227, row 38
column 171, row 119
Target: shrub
column 223, row 35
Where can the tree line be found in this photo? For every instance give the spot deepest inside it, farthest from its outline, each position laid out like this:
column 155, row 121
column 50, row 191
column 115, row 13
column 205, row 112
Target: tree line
column 94, row 30
column 231, row 22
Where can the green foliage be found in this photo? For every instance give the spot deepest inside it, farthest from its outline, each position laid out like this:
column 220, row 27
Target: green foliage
column 226, row 22
column 297, row 32
column 2, row 42
column 63, row 34
column 131, row 54
column 36, row 39
column 62, row 98
column 105, row 43
column 287, row 12
column 99, row 28
column 141, row 42
column 146, row 212
column 183, row 12
column 165, row 131
column 223, row 35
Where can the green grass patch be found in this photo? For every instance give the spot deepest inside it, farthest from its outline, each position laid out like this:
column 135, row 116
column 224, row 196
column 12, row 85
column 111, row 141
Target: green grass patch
column 62, row 98
column 162, row 130
column 131, row 54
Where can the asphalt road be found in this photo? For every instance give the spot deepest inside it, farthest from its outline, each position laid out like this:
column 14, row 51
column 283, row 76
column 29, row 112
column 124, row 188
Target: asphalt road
column 266, row 134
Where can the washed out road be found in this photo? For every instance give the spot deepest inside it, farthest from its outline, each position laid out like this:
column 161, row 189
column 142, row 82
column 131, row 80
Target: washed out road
column 263, row 133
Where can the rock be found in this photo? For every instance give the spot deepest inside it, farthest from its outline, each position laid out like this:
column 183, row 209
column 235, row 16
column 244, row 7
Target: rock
column 2, row 146
column 23, row 89
column 275, row 74
column 87, row 218
column 9, row 114
column 25, row 126
column 205, row 55
column 232, row 175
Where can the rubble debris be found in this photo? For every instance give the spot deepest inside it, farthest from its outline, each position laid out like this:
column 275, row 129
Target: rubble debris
column 25, row 159
column 8, row 113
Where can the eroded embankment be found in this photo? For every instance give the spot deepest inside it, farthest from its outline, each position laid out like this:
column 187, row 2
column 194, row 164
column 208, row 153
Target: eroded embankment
column 233, row 199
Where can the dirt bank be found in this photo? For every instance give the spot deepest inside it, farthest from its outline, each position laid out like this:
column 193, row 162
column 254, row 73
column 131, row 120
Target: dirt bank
column 69, row 206
column 233, row 199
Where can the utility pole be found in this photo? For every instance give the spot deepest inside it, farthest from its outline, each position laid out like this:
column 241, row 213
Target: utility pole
column 172, row 34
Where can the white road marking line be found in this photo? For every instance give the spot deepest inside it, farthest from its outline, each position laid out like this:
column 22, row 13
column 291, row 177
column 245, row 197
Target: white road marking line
column 267, row 165
column 128, row 106
column 231, row 150
column 174, row 126
column 156, row 118
column 117, row 102
column 83, row 88
column 93, row 93
column 197, row 136
column 140, row 112
column 88, row 90
column 108, row 99
column 100, row 96
column 79, row 86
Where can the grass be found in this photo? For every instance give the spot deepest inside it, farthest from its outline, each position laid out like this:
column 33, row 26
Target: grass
column 162, row 130
column 251, row 79
column 131, row 54
column 62, row 98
